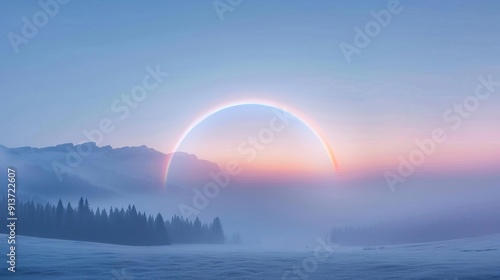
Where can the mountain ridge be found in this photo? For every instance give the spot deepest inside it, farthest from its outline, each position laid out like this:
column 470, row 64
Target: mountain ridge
column 88, row 169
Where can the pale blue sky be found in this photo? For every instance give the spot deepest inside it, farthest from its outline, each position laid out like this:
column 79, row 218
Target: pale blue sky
column 66, row 77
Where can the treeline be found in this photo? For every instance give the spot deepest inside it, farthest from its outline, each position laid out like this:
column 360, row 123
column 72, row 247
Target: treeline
column 435, row 228
column 183, row 230
column 116, row 226
column 383, row 234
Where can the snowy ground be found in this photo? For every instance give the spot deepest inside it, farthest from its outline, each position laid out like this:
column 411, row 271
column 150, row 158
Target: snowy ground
column 473, row 258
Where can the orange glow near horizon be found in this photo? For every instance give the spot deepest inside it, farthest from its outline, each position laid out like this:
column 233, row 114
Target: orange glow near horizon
column 281, row 159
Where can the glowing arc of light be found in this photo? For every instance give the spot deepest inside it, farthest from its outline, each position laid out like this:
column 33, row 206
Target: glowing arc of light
column 311, row 125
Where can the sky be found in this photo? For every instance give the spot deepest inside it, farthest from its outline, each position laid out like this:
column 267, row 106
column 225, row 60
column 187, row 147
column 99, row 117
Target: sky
column 72, row 74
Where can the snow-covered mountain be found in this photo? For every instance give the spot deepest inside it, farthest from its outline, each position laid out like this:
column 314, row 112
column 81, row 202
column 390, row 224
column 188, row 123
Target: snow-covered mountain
column 89, row 170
